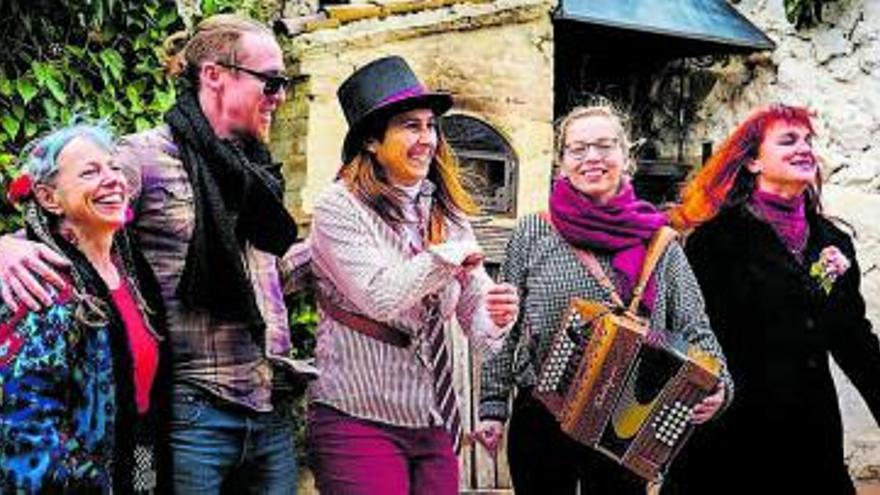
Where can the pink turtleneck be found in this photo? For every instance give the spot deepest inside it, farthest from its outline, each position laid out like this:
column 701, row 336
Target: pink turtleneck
column 788, row 218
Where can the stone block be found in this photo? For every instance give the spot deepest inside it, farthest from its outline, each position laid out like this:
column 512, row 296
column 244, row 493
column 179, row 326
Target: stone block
column 869, row 58
column 830, row 43
column 862, row 439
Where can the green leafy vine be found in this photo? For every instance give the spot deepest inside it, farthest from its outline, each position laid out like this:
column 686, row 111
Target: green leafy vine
column 101, row 59
column 97, row 58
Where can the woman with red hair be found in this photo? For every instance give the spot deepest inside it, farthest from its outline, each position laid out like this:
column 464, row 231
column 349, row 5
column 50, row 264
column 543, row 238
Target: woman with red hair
column 781, row 284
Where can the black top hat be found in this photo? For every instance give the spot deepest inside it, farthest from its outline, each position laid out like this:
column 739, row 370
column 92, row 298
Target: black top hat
column 378, row 90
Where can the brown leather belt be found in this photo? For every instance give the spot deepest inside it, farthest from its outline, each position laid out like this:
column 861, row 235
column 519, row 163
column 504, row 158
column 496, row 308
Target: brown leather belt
column 363, row 324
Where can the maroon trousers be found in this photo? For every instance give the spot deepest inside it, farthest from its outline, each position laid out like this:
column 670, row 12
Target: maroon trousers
column 354, row 456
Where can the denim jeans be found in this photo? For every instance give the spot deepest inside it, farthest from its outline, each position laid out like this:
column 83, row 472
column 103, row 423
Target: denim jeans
column 223, row 448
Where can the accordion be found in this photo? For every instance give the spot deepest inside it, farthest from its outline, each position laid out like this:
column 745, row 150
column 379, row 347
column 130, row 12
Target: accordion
column 613, row 390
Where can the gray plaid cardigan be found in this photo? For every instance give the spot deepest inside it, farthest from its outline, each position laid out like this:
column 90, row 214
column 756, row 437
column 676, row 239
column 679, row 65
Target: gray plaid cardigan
column 548, row 274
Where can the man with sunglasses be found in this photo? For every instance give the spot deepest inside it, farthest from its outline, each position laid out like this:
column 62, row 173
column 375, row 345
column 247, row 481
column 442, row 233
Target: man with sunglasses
column 273, row 83
column 210, row 221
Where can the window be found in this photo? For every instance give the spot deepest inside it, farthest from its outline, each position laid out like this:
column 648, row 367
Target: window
column 487, row 161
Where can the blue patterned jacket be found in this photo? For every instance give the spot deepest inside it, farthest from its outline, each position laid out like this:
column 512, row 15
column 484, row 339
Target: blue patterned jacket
column 68, row 420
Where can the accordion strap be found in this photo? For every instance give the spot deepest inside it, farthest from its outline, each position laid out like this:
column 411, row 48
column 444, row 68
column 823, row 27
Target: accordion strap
column 588, row 259
column 659, row 242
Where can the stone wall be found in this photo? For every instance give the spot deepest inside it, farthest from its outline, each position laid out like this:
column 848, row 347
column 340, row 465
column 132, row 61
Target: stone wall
column 834, row 69
column 496, row 58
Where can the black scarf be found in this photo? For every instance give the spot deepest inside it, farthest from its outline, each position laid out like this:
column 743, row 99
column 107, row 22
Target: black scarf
column 238, row 198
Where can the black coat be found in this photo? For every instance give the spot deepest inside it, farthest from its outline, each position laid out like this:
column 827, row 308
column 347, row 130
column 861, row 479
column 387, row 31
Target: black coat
column 783, row 431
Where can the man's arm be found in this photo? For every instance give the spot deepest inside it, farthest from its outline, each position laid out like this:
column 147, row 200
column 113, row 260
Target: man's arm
column 26, row 269
column 295, row 268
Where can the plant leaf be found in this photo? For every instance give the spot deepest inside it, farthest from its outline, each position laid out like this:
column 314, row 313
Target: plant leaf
column 6, row 87
column 10, row 125
column 142, row 124
column 134, row 98
column 26, row 90
column 57, row 90
column 168, row 18
column 113, row 62
column 30, row 128
column 6, row 159
column 51, row 109
column 41, row 71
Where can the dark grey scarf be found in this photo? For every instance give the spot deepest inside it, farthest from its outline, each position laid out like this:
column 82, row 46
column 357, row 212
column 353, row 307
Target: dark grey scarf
column 238, row 194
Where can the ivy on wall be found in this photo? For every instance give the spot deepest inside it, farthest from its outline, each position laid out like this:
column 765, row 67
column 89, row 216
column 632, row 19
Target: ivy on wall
column 804, row 13
column 101, row 59
column 96, row 58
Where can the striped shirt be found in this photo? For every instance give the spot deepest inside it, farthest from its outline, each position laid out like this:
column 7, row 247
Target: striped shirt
column 218, row 356
column 364, row 266
column 548, row 274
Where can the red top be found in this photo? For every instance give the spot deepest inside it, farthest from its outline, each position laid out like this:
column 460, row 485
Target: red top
column 142, row 343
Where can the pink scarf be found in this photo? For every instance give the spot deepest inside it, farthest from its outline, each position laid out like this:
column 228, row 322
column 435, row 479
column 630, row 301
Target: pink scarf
column 622, row 227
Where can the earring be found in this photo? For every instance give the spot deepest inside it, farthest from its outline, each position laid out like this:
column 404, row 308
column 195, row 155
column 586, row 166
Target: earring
column 68, row 235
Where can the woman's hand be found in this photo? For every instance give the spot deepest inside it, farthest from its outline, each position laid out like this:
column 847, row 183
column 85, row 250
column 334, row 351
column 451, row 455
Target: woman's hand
column 709, row 407
column 22, row 262
column 489, row 433
column 502, row 302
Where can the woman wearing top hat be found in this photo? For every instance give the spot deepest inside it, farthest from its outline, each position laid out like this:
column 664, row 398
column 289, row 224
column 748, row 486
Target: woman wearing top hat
column 395, row 260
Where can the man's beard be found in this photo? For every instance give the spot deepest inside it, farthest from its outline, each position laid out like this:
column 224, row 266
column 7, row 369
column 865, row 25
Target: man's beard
column 263, row 135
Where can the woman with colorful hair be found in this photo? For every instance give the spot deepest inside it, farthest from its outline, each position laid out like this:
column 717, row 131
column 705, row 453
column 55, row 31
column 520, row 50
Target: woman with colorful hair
column 395, row 259
column 593, row 213
column 82, row 390
column 781, row 284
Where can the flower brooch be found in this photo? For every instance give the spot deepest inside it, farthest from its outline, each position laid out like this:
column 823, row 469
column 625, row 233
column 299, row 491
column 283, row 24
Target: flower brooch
column 830, row 266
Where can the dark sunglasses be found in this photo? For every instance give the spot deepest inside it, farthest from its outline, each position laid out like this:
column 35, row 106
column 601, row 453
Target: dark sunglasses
column 272, row 82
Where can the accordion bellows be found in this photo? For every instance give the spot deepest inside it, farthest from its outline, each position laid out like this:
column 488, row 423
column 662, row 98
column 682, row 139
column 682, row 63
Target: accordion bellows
column 613, row 390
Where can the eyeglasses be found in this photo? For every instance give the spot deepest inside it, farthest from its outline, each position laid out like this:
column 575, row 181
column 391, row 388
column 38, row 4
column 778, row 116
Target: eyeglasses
column 580, row 149
column 272, row 82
